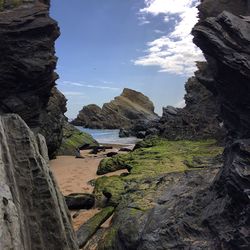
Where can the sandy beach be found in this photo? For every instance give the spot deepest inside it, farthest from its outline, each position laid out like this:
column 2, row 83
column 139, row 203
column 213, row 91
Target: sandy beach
column 73, row 176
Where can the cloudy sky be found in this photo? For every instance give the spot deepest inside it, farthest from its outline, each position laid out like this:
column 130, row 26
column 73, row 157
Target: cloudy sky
column 111, row 44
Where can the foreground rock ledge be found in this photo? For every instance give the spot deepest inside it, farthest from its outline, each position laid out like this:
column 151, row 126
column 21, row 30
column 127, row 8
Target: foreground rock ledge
column 33, row 214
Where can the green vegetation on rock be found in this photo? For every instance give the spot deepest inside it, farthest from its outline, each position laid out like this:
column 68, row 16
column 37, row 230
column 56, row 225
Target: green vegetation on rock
column 88, row 229
column 152, row 158
column 112, row 187
column 73, row 138
column 159, row 156
column 108, row 165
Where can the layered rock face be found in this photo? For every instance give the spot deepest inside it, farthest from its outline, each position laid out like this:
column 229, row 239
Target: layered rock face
column 33, row 213
column 216, row 215
column 123, row 112
column 52, row 121
column 199, row 119
column 27, row 66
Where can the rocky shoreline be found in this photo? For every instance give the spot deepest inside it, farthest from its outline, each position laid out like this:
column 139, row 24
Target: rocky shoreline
column 178, row 189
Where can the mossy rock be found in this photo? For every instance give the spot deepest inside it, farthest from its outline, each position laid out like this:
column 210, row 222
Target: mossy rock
column 110, row 188
column 88, row 229
column 147, row 163
column 73, row 139
column 113, row 164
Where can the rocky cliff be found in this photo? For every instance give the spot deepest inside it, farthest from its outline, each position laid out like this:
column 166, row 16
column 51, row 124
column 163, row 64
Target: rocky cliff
column 33, row 213
column 199, row 119
column 216, row 215
column 122, row 112
column 27, row 64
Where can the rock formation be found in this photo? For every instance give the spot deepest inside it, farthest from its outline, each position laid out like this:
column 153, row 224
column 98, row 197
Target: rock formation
column 53, row 121
column 73, row 139
column 199, row 119
column 216, row 215
column 33, row 213
column 27, row 64
column 123, row 112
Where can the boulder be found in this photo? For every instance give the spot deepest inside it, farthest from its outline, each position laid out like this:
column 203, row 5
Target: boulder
column 111, row 154
column 80, row 201
column 125, row 149
column 33, row 213
column 124, row 133
column 122, row 112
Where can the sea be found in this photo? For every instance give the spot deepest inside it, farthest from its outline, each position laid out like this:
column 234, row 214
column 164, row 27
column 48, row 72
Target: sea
column 109, row 136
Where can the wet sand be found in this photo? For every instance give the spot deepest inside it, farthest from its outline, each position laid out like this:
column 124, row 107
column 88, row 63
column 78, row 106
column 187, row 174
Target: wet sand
column 73, row 176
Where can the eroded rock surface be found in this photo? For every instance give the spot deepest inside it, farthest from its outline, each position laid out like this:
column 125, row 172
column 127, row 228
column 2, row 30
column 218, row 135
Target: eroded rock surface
column 214, row 213
column 27, row 64
column 123, row 112
column 33, row 213
column 199, row 119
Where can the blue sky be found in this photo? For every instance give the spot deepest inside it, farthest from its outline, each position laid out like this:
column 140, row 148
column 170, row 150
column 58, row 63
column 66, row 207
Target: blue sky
column 106, row 45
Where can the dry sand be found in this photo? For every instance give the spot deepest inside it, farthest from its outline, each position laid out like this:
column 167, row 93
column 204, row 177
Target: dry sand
column 73, row 176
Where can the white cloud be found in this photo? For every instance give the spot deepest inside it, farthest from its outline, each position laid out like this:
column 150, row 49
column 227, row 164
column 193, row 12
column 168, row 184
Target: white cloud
column 159, row 31
column 89, row 85
column 180, row 104
column 73, row 93
column 175, row 52
column 142, row 19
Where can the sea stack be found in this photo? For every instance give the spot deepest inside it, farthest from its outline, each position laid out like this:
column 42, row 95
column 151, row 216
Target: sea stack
column 123, row 112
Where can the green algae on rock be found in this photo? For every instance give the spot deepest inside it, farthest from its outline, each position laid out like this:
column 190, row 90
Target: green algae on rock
column 158, row 156
column 152, row 159
column 88, row 229
column 73, row 139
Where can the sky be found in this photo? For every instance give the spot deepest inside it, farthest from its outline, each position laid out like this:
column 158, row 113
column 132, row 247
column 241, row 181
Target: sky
column 107, row 45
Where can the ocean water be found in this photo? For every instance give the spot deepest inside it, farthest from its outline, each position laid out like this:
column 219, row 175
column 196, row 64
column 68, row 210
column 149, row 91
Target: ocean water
column 110, row 136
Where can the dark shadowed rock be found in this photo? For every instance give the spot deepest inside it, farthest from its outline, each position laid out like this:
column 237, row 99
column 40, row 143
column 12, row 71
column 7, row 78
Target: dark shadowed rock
column 53, row 122
column 199, row 119
column 220, row 38
column 122, row 112
column 33, row 214
column 204, row 209
column 27, row 64
column 124, row 133
column 170, row 223
column 111, row 154
column 212, row 8
column 80, row 201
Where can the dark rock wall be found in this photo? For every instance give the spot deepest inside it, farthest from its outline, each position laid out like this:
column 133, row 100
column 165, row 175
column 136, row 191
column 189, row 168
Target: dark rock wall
column 199, row 119
column 53, row 120
column 225, row 40
column 212, row 8
column 27, row 65
column 217, row 214
column 33, row 213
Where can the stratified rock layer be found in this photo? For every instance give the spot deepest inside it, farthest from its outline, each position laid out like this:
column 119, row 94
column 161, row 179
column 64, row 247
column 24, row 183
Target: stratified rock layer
column 33, row 213
column 216, row 215
column 123, row 112
column 27, row 66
